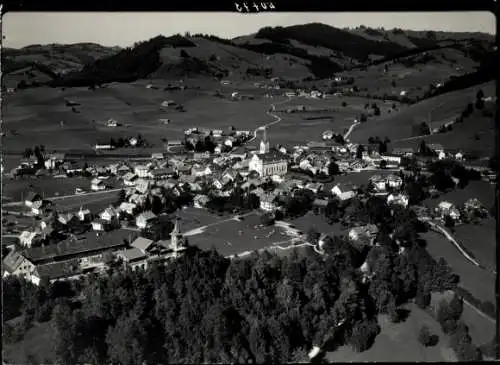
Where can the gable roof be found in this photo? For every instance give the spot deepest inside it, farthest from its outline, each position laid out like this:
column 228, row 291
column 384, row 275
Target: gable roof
column 132, row 254
column 59, row 269
column 12, row 261
column 142, row 243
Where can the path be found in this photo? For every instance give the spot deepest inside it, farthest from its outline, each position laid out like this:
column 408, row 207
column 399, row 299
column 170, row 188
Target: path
column 478, row 311
column 277, row 120
column 349, row 131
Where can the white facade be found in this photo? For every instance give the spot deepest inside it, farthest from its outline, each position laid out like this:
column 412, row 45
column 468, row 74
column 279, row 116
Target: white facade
column 343, row 195
column 265, row 167
column 398, row 199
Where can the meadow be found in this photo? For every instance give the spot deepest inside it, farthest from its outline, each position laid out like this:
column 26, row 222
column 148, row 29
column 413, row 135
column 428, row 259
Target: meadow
column 33, row 116
column 479, row 282
column 398, row 342
column 399, row 125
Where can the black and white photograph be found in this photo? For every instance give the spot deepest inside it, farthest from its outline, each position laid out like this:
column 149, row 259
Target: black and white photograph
column 222, row 187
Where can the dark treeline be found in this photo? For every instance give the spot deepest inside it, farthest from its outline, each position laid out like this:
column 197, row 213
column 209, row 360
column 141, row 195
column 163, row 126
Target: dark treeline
column 205, row 308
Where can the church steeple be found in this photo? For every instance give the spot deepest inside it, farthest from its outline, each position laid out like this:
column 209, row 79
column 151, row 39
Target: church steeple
column 264, row 144
column 176, row 239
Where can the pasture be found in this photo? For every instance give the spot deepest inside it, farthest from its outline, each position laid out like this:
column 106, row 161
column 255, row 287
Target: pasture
column 399, row 125
column 481, row 328
column 34, row 116
column 318, row 222
column 481, row 190
column 480, row 240
column 47, row 186
column 480, row 283
column 398, row 342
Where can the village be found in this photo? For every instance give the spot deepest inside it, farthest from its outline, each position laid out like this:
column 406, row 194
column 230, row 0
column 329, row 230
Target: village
column 220, row 175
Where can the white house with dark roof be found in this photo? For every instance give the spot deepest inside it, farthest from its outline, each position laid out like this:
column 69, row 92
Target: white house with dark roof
column 130, row 179
column 398, row 199
column 109, row 214
column 127, row 207
column 18, row 265
column 97, row 185
column 31, row 198
column 144, row 219
column 344, row 191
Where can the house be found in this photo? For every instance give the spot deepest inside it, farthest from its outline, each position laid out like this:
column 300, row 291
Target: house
column 378, row 182
column 133, row 141
column 26, row 238
column 200, row 201
column 142, row 171
column 122, row 170
column 65, row 218
column 157, row 156
column 217, row 133
column 145, row 219
column 201, row 155
column 109, row 214
column 168, row 103
column 448, row 209
column 363, row 234
column 394, row 181
column 320, row 205
column 130, row 179
column 344, row 191
column 459, row 156
column 97, row 185
column 103, row 146
column 437, row 148
column 111, row 123
column 31, row 198
column 314, row 187
column 98, row 225
column 162, row 173
column 268, row 164
column 174, row 143
column 37, row 207
column 229, row 142
column 398, row 199
column 403, row 151
column 18, row 265
column 391, row 158
column 267, row 202
column 201, row 171
column 142, row 244
column 127, row 208
column 473, row 204
column 83, row 214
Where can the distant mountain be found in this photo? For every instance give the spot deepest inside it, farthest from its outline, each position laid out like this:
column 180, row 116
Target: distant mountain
column 301, row 52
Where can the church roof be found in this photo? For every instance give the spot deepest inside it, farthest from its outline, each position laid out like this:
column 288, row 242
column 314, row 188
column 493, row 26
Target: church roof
column 272, row 157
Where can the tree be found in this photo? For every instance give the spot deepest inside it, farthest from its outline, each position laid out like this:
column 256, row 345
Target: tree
column 359, row 152
column 333, row 168
column 344, row 104
column 313, row 235
column 184, row 54
column 449, row 222
column 267, row 219
column 363, row 118
column 426, row 338
column 376, row 111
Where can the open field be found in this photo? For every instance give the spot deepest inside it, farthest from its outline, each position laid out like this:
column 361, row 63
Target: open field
column 399, row 342
column 481, row 329
column 481, row 190
column 47, row 186
column 318, row 222
column 480, row 283
column 480, row 240
column 399, row 125
column 37, row 344
column 35, row 115
column 231, row 237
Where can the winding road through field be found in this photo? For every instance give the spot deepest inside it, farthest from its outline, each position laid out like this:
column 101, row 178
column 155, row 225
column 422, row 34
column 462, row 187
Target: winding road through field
column 277, row 119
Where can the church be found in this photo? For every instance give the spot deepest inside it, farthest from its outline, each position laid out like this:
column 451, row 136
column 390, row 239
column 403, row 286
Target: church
column 267, row 163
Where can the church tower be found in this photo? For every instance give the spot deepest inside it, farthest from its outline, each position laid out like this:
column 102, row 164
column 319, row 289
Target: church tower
column 264, row 144
column 176, row 238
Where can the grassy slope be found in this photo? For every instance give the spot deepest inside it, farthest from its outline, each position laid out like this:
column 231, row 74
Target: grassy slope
column 399, row 125
column 399, row 342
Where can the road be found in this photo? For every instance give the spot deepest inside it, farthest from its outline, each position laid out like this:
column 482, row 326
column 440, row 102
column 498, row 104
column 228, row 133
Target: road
column 201, row 229
column 53, row 198
column 349, row 131
column 276, row 117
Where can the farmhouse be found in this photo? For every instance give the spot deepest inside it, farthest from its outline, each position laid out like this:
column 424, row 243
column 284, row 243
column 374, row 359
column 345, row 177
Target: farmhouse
column 398, row 199
column 97, row 185
column 18, row 265
column 364, row 234
column 31, row 198
column 394, row 181
column 344, row 191
column 200, row 201
column 437, row 148
column 130, row 179
column 103, row 146
column 108, row 214
column 378, row 182
column 403, row 151
column 83, row 214
column 391, row 158
column 142, row 171
column 448, row 209
column 144, row 219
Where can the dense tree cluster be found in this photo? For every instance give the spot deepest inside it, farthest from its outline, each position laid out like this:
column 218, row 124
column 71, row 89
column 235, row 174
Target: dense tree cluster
column 239, row 200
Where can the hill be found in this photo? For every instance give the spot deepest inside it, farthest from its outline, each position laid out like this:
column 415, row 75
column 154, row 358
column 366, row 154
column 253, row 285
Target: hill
column 42, row 63
column 300, row 52
column 399, row 125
